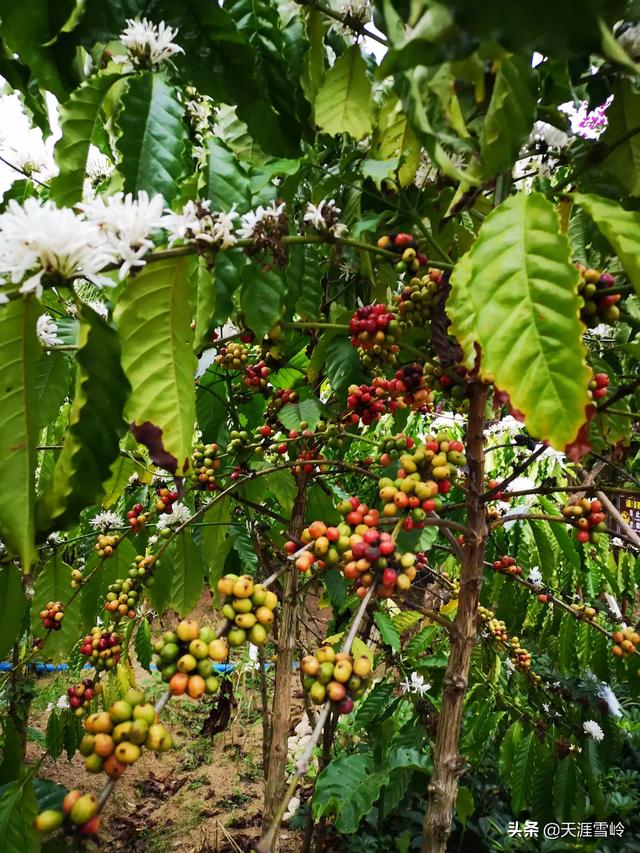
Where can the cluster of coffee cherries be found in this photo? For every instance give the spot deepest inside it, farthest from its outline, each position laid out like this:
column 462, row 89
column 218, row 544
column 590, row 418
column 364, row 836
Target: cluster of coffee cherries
column 80, row 696
column 583, row 611
column 138, row 517
column 625, row 642
column 205, row 464
column 256, row 376
column 115, row 738
column 165, row 500
column 599, row 386
column 374, row 332
column 437, row 379
column 416, row 298
column 391, row 448
column 521, row 658
column 123, row 594
column 367, row 403
column 336, row 677
column 76, row 579
column 52, row 615
column 233, row 356
column 106, row 544
column 403, row 244
column 271, row 347
column 103, row 648
column 186, row 657
column 79, row 814
column 279, row 399
column 587, row 517
column 597, row 307
column 249, row 608
column 496, row 627
column 407, row 388
column 507, row 566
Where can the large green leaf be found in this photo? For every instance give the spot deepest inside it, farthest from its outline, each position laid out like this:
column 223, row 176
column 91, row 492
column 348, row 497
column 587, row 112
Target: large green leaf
column 78, row 118
column 396, row 140
column 624, row 116
column 154, row 315
column 95, row 426
column 217, row 539
column 227, row 181
column 313, row 69
column 259, row 21
column 515, row 297
column 153, row 136
column 52, row 385
column 510, row 115
column 565, row 788
column 12, row 605
column 18, row 809
column 52, row 584
column 261, row 298
column 179, row 579
column 522, row 772
column 19, row 354
column 347, row 788
column 344, row 103
column 621, row 228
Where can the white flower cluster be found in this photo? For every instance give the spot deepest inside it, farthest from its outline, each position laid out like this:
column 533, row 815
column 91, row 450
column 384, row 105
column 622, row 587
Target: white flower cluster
column 39, row 239
column 197, row 222
column 126, row 223
column 415, row 684
column 356, row 14
column 594, row 731
column 149, row 45
column 106, row 520
column 178, row 515
column 253, row 221
column 585, row 123
column 47, row 331
column 324, row 218
column 535, row 577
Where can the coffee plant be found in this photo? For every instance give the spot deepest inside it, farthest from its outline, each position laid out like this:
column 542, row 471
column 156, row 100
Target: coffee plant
column 325, row 319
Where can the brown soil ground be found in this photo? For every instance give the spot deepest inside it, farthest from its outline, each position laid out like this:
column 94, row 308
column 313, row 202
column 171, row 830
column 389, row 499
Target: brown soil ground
column 205, row 795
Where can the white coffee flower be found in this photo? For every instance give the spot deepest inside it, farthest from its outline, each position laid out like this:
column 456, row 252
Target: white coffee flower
column 594, row 731
column 607, row 695
column 324, row 217
column 38, row 239
column 252, row 219
column 415, row 684
column 356, row 13
column 148, row 44
column 106, row 520
column 535, row 577
column 584, row 123
column 178, row 516
column 47, row 331
column 196, row 222
column 126, row 223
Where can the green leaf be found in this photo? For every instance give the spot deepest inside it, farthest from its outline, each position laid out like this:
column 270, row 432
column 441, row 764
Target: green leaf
column 344, row 103
column 406, row 619
column 292, row 414
column 54, row 739
column 522, row 771
column 12, row 603
column 567, row 644
column 419, row 642
column 465, row 805
column 396, row 140
column 18, row 810
column 78, row 118
column 508, row 748
column 341, row 364
column 211, row 403
column 336, row 587
column 347, row 788
column 153, row 315
column 510, row 115
column 283, row 486
column 304, row 282
column 623, row 116
column 388, row 630
column 49, row 794
column 52, row 584
column 621, row 228
column 179, row 579
column 313, row 70
column 153, row 136
column 52, row 385
column 564, row 788
column 227, row 181
column 217, row 539
column 261, row 298
column 95, row 426
column 19, row 354
column 143, row 644
column 515, row 295
column 374, row 706
column 205, row 289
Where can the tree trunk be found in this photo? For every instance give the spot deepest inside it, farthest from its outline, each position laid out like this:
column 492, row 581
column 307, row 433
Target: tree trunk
column 446, row 765
column 281, row 707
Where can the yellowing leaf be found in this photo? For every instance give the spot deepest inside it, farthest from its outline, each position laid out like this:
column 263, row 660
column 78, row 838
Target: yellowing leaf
column 344, row 103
